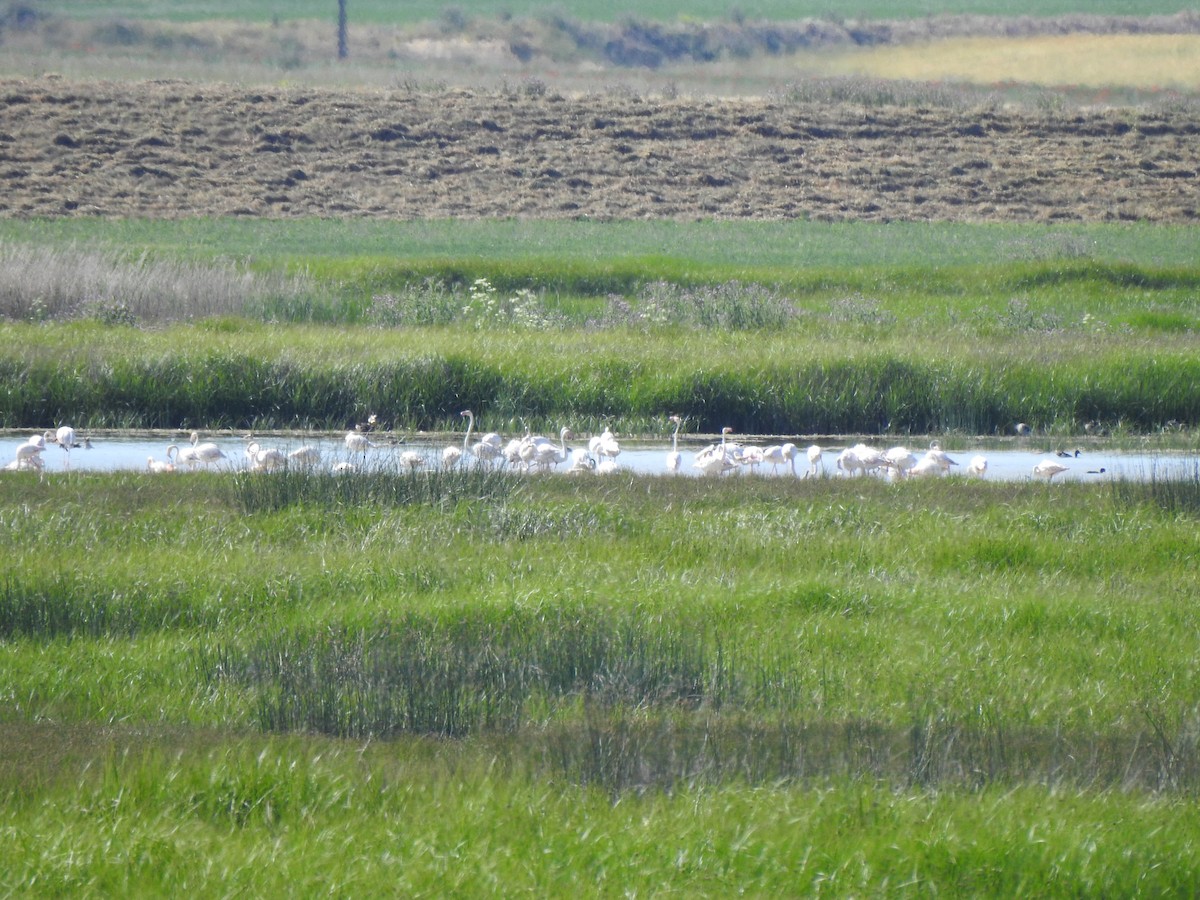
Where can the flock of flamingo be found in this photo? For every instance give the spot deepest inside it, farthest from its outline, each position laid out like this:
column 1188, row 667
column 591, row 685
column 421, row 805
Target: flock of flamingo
column 536, row 453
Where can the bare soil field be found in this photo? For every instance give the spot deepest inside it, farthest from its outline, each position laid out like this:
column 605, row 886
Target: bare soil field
column 174, row 149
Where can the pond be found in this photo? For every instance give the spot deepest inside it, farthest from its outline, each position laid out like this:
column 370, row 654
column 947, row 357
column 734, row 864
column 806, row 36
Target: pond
column 1006, row 460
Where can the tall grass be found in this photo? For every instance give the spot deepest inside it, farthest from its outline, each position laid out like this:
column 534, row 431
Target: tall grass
column 663, row 682
column 56, row 284
column 705, row 715
column 842, row 372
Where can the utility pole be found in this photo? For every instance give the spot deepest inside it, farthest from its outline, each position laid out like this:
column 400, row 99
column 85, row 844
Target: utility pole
column 343, row 46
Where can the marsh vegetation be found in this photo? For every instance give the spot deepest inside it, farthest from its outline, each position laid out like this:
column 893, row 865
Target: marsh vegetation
column 470, row 683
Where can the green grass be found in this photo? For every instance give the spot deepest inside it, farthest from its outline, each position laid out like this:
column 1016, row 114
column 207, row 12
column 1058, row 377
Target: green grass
column 849, row 368
column 769, row 327
column 474, row 683
column 776, row 251
column 380, row 11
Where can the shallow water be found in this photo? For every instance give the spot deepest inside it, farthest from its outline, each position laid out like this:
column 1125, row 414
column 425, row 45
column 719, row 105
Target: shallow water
column 129, row 451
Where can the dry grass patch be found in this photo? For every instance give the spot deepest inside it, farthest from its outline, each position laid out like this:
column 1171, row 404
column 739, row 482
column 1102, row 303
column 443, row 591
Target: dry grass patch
column 1096, row 60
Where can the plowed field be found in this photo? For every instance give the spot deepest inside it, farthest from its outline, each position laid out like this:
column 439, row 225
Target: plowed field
column 174, row 149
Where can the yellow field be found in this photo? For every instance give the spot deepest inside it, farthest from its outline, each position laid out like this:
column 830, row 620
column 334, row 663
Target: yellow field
column 1140, row 61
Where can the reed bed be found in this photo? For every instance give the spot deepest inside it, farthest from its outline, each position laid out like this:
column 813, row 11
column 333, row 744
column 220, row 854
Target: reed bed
column 754, row 382
column 663, row 705
column 59, row 284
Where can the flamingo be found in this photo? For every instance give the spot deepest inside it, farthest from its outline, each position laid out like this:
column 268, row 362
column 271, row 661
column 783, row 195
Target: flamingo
column 545, row 453
column 490, row 446
column 453, row 454
column 1048, row 468
column 512, row 450
column 790, row 452
column 779, row 454
column 926, row 467
column 605, row 445
column 158, row 466
column 305, row 456
column 977, row 466
column 814, row 460
column 713, row 459
column 65, row 438
column 356, row 442
column 900, row 460
column 487, row 449
column 1022, row 429
column 581, row 461
column 411, row 460
column 207, row 452
column 187, row 456
column 30, row 450
column 938, row 455
column 848, row 462
column 26, row 464
column 265, row 459
column 749, row 456
column 674, row 458
column 862, row 457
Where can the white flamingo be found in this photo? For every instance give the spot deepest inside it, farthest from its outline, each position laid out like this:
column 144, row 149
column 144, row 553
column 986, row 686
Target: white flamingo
column 26, row 464
column 900, row 460
column 187, row 456
column 775, row 456
column 30, row 450
column 65, row 438
column 847, row 461
column 814, row 453
column 512, row 450
column 926, row 467
column 604, row 445
column 938, row 455
column 486, row 450
column 545, row 453
column 862, row 458
column 1048, row 468
column 977, row 466
column 305, row 457
column 452, row 455
column 357, row 442
column 265, row 459
column 206, row 453
column 158, row 466
column 749, row 456
column 581, row 462
column 714, row 459
column 790, row 452
column 674, row 458
column 411, row 460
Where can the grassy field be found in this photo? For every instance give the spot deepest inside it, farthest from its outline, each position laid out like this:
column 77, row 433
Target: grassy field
column 770, row 328
column 495, row 681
